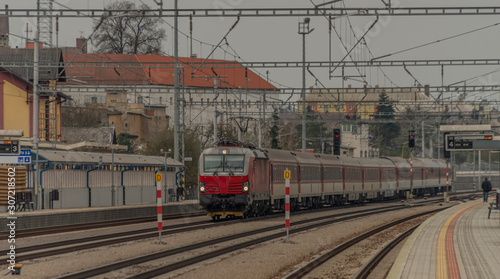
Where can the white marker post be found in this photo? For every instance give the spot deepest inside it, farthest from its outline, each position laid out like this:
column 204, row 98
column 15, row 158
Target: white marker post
column 158, row 204
column 287, row 202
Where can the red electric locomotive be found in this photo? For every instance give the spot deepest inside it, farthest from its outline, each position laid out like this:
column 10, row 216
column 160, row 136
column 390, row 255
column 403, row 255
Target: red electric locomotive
column 237, row 180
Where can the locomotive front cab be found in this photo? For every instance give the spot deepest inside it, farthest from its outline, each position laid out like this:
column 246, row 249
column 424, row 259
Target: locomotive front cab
column 224, row 184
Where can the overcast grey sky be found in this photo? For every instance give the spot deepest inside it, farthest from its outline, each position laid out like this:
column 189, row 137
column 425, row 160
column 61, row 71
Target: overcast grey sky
column 276, row 39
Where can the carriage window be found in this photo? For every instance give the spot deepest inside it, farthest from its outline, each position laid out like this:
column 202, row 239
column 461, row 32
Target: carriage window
column 224, row 163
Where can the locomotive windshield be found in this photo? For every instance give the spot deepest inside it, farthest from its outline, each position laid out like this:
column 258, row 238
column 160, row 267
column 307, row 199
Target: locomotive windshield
column 224, row 163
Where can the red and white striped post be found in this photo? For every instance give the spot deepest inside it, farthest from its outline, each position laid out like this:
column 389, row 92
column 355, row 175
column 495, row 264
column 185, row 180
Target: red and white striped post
column 411, row 174
column 446, row 196
column 287, row 203
column 158, row 204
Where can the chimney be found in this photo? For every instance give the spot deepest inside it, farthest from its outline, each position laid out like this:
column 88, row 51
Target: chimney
column 81, row 42
column 4, row 28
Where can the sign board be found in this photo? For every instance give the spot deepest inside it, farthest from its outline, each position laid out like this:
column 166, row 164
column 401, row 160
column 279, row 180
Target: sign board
column 188, row 159
column 9, row 147
column 159, row 177
column 24, row 157
column 288, row 174
column 457, row 142
column 486, row 145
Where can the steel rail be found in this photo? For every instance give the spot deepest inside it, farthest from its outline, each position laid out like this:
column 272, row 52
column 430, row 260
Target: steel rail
column 315, row 263
column 126, row 263
column 367, row 268
column 95, row 225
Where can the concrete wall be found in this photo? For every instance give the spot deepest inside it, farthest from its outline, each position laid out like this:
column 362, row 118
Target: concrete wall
column 101, row 197
column 50, row 218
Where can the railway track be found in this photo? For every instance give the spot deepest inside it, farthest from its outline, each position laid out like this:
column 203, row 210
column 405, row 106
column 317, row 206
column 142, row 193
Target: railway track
column 72, row 245
column 270, row 234
column 318, row 261
column 96, row 225
column 368, row 267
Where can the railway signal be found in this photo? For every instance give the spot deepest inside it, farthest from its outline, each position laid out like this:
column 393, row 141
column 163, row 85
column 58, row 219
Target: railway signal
column 411, row 138
column 336, row 141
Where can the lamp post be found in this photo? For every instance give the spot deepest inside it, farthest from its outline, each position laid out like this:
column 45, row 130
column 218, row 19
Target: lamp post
column 304, row 30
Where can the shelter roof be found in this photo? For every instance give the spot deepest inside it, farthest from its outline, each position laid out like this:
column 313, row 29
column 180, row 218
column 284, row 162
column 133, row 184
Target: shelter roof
column 78, row 157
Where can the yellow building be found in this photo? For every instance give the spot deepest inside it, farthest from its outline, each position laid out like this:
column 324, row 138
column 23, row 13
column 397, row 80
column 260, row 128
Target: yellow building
column 16, row 94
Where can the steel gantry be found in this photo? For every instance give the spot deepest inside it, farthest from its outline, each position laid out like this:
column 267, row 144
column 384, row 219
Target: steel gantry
column 265, row 12
column 257, row 65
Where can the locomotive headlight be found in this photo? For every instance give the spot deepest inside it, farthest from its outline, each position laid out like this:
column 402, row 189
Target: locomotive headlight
column 202, row 186
column 245, row 187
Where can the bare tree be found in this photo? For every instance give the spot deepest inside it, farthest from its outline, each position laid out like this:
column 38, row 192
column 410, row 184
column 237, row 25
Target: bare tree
column 73, row 115
column 129, row 32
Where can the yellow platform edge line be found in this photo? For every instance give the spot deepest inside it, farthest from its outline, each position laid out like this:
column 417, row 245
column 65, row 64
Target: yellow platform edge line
column 441, row 262
column 398, row 266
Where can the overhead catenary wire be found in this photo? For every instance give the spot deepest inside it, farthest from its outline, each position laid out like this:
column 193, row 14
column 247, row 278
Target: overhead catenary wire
column 437, row 41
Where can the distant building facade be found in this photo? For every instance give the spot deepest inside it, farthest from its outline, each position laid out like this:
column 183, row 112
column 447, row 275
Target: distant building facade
column 145, row 90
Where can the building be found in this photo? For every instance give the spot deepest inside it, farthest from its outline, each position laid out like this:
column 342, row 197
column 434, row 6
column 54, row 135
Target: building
column 16, row 94
column 138, row 86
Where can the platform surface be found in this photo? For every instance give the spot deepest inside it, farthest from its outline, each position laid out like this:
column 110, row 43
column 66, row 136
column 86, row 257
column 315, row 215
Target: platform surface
column 459, row 242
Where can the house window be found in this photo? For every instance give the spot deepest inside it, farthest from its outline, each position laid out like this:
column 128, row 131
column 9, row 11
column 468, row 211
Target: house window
column 249, row 104
column 228, row 103
column 139, row 100
column 202, row 101
column 93, row 100
column 160, row 100
column 350, row 107
column 171, row 101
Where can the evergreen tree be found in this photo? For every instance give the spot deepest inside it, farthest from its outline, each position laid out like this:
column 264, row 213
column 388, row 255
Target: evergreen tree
column 274, row 131
column 387, row 132
column 316, row 132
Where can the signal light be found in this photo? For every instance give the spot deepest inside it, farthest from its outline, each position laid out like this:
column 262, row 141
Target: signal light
column 336, row 141
column 411, row 138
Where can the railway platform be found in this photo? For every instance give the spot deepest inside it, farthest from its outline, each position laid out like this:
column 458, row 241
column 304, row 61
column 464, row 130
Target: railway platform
column 61, row 217
column 459, row 242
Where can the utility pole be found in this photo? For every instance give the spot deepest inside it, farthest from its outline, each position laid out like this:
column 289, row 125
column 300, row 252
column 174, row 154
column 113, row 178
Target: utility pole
column 215, row 111
column 304, row 30
column 176, row 83
column 36, row 74
column 239, row 120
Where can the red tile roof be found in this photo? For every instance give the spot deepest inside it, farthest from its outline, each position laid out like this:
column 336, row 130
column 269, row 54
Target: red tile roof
column 229, row 77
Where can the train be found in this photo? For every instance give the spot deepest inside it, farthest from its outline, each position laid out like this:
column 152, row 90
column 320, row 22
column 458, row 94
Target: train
column 238, row 180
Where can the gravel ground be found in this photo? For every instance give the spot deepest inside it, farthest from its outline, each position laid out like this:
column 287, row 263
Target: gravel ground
column 269, row 260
